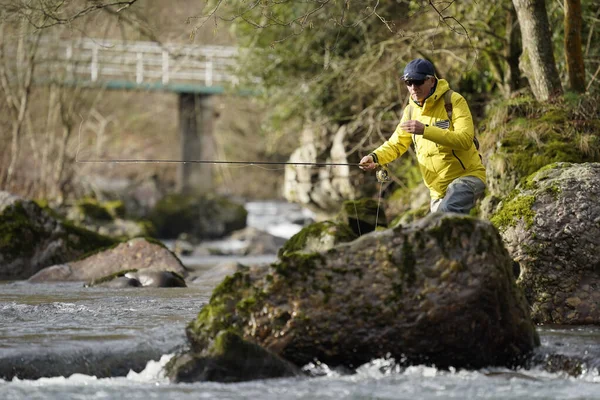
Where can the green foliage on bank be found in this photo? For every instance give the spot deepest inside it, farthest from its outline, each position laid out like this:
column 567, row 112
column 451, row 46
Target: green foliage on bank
column 523, row 135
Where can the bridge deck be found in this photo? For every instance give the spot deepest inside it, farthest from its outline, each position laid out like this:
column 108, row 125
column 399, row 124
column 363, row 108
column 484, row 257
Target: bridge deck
column 138, row 65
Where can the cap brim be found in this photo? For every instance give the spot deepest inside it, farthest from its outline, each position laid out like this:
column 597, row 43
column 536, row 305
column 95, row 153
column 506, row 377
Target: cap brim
column 414, row 76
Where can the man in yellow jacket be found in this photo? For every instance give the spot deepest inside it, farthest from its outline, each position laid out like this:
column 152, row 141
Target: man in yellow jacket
column 441, row 127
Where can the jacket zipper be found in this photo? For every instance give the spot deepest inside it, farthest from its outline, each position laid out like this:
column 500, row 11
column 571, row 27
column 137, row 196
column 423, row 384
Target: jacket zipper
column 461, row 164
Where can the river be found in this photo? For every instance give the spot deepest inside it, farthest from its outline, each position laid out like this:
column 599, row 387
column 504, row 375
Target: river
column 109, row 332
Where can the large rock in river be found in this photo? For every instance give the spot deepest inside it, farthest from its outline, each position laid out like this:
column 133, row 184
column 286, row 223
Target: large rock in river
column 136, row 254
column 198, row 216
column 31, row 238
column 440, row 291
column 551, row 227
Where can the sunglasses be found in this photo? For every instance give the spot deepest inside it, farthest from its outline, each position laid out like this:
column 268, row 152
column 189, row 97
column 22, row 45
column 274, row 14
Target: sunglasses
column 415, row 82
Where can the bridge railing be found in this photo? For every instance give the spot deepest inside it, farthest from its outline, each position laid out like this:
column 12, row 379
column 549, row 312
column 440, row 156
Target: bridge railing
column 98, row 61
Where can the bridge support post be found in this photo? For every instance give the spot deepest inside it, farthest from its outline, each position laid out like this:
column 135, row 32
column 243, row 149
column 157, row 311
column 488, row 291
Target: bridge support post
column 196, row 117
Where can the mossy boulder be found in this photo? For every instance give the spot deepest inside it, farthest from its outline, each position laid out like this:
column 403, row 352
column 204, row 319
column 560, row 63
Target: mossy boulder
column 440, row 291
column 318, row 236
column 32, row 239
column 105, row 217
column 551, row 227
column 203, row 217
column 363, row 215
column 139, row 255
column 229, row 358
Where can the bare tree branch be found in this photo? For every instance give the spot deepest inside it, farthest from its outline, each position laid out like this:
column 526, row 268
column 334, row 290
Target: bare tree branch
column 42, row 14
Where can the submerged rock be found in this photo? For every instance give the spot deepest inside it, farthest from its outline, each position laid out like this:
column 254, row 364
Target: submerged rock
column 440, row 291
column 551, row 227
column 229, row 358
column 32, row 239
column 137, row 254
column 144, row 278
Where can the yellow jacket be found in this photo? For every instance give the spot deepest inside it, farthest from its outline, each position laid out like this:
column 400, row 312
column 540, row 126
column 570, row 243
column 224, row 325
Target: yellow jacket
column 446, row 150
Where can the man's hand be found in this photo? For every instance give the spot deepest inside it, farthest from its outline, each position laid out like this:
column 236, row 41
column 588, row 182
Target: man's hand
column 367, row 163
column 413, row 126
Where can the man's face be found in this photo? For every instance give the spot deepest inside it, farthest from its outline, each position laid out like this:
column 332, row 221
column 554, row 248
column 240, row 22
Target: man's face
column 420, row 89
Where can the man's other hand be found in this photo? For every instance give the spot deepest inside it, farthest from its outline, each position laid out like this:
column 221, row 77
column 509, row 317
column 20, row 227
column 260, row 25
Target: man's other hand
column 413, row 126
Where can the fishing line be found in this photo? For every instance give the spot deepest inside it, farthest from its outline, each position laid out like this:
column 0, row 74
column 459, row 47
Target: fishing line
column 378, row 203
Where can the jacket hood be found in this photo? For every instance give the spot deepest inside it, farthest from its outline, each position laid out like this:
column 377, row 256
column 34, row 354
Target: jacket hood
column 441, row 88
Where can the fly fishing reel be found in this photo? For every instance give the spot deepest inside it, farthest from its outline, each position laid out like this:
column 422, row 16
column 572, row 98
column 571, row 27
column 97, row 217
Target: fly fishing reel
column 383, row 174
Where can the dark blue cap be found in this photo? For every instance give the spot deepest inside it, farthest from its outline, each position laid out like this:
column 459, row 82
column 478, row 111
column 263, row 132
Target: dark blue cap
column 418, row 69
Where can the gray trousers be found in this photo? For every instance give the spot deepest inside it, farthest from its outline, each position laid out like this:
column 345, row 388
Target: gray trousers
column 461, row 195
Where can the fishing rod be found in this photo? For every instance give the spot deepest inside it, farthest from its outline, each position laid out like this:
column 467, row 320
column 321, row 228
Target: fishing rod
column 382, row 173
column 170, row 161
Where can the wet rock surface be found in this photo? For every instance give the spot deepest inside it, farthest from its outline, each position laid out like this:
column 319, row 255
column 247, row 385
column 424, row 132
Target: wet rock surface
column 136, row 254
column 143, row 278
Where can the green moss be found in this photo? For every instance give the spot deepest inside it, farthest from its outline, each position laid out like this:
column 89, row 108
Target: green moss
column 554, row 191
column 340, row 233
column 116, row 208
column 520, row 207
column 230, row 284
column 225, row 341
column 246, row 304
column 298, row 263
column 527, row 157
column 87, row 242
column 230, row 304
column 555, row 116
column 530, row 181
column 18, row 236
column 91, row 208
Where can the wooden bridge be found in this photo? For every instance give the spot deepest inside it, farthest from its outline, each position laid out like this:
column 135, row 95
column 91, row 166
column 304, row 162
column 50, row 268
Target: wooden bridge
column 117, row 64
column 195, row 73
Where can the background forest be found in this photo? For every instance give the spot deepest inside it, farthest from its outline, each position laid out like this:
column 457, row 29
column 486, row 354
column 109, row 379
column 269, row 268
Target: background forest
column 529, row 69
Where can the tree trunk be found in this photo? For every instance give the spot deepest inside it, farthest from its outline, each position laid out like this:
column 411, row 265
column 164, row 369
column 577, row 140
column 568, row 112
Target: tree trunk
column 513, row 50
column 537, row 60
column 573, row 48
